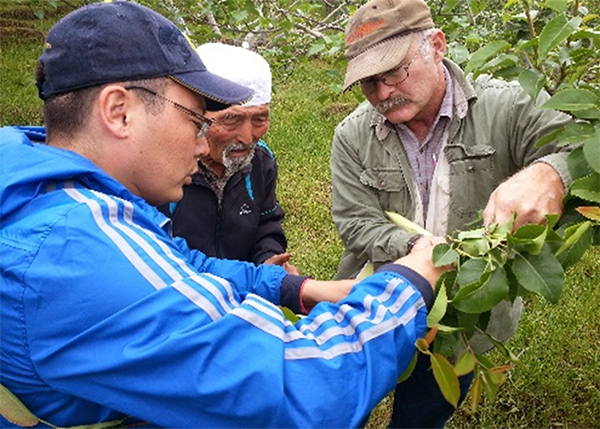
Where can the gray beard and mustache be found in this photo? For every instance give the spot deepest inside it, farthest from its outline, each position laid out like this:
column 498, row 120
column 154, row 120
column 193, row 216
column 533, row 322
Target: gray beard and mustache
column 236, row 163
column 390, row 103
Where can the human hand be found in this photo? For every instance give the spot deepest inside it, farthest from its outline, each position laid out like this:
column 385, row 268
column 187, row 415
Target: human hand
column 420, row 259
column 282, row 260
column 427, row 241
column 532, row 193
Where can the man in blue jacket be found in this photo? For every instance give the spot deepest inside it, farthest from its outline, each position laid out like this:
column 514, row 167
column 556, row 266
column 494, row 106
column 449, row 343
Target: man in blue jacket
column 105, row 316
column 230, row 210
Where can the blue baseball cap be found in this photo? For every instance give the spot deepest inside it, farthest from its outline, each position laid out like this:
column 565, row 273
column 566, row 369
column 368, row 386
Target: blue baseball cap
column 121, row 41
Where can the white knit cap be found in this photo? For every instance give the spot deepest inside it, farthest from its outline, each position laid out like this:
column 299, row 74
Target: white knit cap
column 241, row 66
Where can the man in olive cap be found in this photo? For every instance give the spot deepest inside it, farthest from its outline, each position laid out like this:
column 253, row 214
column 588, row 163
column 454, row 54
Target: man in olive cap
column 436, row 146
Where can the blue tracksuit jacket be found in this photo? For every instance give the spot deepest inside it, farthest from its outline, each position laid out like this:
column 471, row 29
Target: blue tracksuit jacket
column 104, row 315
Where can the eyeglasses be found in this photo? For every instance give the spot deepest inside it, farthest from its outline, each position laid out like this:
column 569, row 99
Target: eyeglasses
column 392, row 77
column 204, row 123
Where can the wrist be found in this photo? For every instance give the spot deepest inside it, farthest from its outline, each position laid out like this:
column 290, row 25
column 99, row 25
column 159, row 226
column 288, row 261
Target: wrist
column 412, row 241
column 306, row 304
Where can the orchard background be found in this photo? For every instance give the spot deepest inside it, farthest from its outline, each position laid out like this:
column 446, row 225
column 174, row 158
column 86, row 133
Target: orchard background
column 553, row 45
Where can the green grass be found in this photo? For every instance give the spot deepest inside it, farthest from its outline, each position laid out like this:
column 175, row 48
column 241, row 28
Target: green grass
column 300, row 135
column 556, row 384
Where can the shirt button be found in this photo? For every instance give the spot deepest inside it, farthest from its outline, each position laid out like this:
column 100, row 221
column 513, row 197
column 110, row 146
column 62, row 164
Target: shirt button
column 382, row 183
column 470, row 168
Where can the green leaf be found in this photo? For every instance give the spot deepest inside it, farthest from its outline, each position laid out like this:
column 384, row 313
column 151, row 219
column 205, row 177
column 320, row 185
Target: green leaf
column 481, row 297
column 500, row 346
column 532, row 82
column 422, row 345
column 443, row 254
column 490, row 386
column 315, row 48
column 471, row 271
column 467, row 321
column 13, row 410
column 484, row 362
column 475, row 247
column 552, row 219
column 593, row 113
column 578, row 238
column 497, row 234
column 407, row 224
column 497, row 377
column 472, row 234
column 570, row 100
column 446, row 378
column 577, row 132
column 587, row 187
column 289, row 314
column 439, row 307
column 591, row 150
column 530, row 238
column 477, row 6
column 548, row 138
column 449, row 329
column 578, row 166
column 451, row 4
column 500, row 62
column 448, row 344
column 497, row 257
column 458, row 53
column 480, row 56
column 555, row 32
column 465, row 364
column 542, row 274
column 476, row 390
column 365, row 271
column 239, row 15
column 558, row 5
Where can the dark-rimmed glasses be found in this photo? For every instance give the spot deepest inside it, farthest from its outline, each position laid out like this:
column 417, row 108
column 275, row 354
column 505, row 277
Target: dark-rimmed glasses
column 203, row 123
column 392, row 77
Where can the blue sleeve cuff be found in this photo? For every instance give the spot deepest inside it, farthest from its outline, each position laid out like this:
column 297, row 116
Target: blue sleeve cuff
column 290, row 292
column 415, row 278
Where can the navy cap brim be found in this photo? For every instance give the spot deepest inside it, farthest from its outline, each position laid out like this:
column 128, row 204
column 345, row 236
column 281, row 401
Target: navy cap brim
column 220, row 93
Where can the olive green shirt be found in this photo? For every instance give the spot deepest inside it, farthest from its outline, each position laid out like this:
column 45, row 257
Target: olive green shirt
column 491, row 136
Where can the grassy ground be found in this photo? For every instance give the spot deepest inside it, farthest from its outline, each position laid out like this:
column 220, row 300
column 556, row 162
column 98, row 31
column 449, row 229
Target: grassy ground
column 557, row 383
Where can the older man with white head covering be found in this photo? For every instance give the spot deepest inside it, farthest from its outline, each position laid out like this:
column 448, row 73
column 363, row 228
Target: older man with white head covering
column 230, row 210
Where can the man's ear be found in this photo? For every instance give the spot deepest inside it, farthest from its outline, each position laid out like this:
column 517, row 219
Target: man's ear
column 115, row 106
column 438, row 43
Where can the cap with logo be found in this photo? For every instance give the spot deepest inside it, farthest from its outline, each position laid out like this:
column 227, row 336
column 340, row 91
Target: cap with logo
column 377, row 36
column 122, row 41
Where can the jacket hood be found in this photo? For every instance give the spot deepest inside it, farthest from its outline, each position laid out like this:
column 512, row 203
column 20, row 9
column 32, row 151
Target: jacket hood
column 27, row 165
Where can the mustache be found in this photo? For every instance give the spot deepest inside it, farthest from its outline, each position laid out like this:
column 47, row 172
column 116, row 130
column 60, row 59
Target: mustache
column 390, row 103
column 237, row 163
column 237, row 146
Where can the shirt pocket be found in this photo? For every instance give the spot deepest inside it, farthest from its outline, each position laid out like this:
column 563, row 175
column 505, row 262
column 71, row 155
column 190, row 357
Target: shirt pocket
column 472, row 180
column 390, row 187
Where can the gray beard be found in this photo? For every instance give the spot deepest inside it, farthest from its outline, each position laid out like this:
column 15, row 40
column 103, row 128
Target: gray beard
column 395, row 101
column 234, row 164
